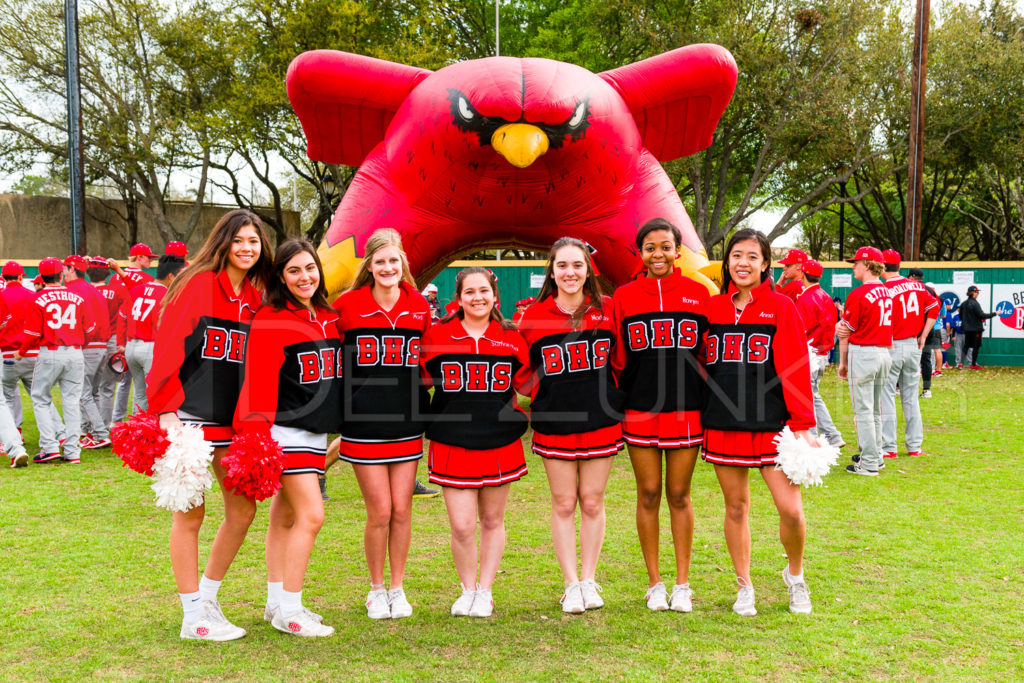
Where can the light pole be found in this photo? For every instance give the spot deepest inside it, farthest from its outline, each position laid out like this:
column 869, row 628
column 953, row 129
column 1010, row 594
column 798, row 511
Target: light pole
column 77, row 172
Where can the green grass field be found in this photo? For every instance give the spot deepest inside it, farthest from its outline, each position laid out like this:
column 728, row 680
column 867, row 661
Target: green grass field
column 914, row 575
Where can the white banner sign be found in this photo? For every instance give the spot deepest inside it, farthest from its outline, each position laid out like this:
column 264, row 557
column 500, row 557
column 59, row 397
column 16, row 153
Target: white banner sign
column 842, row 280
column 963, row 277
column 536, row 280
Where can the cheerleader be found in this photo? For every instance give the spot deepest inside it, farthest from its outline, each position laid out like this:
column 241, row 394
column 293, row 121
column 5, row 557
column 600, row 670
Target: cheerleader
column 196, row 376
column 575, row 411
column 382, row 318
column 660, row 321
column 475, row 364
column 291, row 388
column 759, row 382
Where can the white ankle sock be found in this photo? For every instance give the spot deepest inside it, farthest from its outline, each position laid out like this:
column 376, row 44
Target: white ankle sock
column 796, row 578
column 208, row 588
column 191, row 605
column 291, row 603
column 274, row 590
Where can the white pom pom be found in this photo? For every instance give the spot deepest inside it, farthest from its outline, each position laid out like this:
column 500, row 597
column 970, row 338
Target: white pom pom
column 182, row 474
column 801, row 462
column 818, row 362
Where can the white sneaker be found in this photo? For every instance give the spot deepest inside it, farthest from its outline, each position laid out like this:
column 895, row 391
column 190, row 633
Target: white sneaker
column 464, row 603
column 377, row 606
column 19, row 459
column 657, row 597
column 799, row 594
column 572, row 599
column 212, row 625
column 400, row 607
column 591, row 590
column 483, row 603
column 270, row 612
column 300, row 624
column 682, row 598
column 744, row 605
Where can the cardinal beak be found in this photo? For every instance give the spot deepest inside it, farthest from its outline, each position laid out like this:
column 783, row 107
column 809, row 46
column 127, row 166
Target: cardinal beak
column 519, row 143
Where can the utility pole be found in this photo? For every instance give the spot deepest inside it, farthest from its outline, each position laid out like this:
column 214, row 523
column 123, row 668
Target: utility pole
column 76, row 187
column 915, row 159
column 497, row 38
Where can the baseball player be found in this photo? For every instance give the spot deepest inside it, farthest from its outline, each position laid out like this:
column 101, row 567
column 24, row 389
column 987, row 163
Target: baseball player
column 136, row 330
column 790, row 282
column 94, row 353
column 10, row 436
column 114, row 294
column 17, row 298
column 139, row 256
column 820, row 316
column 914, row 311
column 865, row 335
column 56, row 325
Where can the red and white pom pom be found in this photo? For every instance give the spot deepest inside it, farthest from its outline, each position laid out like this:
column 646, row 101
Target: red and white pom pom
column 801, row 462
column 139, row 442
column 818, row 362
column 253, row 465
column 182, row 475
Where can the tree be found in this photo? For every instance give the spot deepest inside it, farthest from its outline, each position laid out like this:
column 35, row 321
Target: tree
column 805, row 108
column 143, row 107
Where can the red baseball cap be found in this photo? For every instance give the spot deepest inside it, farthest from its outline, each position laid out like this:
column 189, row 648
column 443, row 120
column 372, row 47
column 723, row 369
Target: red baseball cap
column 812, row 268
column 891, row 257
column 794, row 256
column 50, row 266
column 77, row 262
column 98, row 262
column 176, row 249
column 866, row 254
column 13, row 268
column 142, row 250
column 527, row 301
column 38, row 280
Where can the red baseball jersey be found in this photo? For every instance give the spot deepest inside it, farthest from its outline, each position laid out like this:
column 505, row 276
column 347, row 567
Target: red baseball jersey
column 56, row 318
column 868, row 314
column 16, row 299
column 95, row 312
column 912, row 305
column 382, row 393
column 474, row 404
column 141, row 312
column 292, row 371
column 660, row 325
column 572, row 385
column 819, row 316
column 758, row 369
column 792, row 289
column 199, row 355
column 133, row 277
column 115, row 294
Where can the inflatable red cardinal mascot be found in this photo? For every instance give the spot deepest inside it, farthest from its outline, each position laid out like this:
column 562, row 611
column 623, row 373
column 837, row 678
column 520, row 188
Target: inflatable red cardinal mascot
column 508, row 152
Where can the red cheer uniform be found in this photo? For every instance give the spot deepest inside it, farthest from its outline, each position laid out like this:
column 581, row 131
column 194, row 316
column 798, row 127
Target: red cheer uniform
column 759, row 377
column 383, row 396
column 576, row 409
column 199, row 355
column 475, row 418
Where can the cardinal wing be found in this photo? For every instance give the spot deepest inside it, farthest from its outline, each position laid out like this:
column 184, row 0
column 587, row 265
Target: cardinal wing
column 345, row 101
column 677, row 97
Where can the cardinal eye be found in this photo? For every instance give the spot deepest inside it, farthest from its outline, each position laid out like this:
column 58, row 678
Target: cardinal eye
column 578, row 115
column 466, row 111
